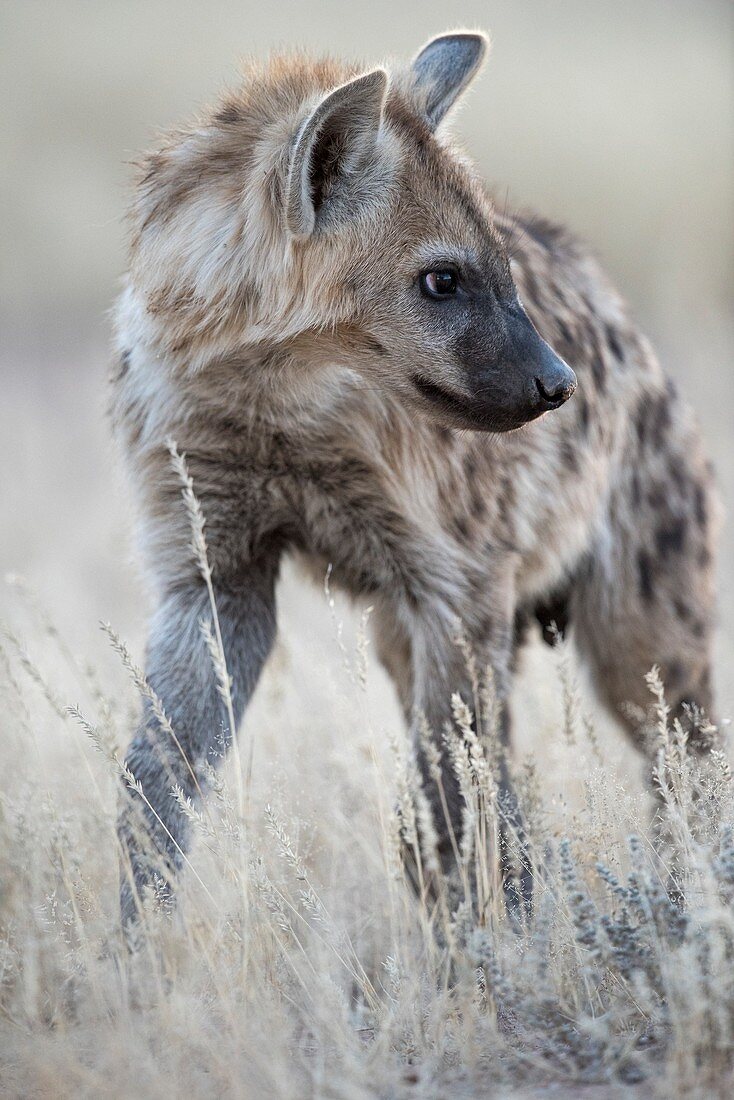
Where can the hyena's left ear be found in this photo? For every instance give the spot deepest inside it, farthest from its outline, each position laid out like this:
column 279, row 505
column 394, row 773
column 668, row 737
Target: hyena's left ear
column 444, row 68
column 333, row 147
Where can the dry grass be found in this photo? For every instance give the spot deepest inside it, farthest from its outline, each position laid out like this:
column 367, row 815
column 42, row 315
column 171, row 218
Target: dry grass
column 300, row 961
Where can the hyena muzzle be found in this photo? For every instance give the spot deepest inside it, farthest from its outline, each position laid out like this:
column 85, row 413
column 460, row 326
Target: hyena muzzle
column 354, row 350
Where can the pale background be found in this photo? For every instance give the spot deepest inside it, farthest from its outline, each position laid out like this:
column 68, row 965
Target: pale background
column 617, row 118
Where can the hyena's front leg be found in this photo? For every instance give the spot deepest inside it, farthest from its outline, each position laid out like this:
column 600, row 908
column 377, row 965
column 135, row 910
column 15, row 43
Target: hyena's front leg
column 429, row 667
column 154, row 833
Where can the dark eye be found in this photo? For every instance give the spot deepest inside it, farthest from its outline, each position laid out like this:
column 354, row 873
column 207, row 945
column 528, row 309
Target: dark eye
column 439, row 284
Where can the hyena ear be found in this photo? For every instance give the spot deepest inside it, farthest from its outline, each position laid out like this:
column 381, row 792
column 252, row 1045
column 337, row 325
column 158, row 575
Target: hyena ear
column 444, row 68
column 334, row 144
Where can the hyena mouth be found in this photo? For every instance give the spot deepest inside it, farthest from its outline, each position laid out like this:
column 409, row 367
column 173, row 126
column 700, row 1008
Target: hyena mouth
column 438, row 396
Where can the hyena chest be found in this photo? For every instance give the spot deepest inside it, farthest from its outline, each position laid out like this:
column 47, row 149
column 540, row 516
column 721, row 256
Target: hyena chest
column 339, row 517
column 447, row 533
column 345, row 511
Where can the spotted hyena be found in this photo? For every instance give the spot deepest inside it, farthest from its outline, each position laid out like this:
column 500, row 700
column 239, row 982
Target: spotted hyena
column 354, row 350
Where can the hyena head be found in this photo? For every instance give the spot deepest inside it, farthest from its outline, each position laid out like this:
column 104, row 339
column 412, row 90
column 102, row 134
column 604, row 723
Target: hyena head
column 321, row 213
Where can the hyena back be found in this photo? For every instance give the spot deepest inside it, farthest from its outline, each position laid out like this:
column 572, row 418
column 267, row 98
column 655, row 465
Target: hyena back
column 327, row 315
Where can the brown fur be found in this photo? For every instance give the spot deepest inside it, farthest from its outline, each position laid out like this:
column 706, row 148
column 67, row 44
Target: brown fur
column 282, row 368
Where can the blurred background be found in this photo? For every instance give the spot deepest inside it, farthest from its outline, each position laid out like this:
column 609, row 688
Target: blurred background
column 616, row 118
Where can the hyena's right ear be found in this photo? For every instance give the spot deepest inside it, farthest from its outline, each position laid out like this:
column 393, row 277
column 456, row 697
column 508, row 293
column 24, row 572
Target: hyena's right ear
column 334, row 144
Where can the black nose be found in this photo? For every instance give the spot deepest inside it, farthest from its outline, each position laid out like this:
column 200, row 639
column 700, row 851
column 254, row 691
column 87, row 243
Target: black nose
column 555, row 390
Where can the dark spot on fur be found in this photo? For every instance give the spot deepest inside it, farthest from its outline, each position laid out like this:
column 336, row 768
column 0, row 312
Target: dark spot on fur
column 583, row 409
column 366, row 583
column 461, row 527
column 636, row 491
column 228, row 114
column 595, row 352
column 682, row 610
column 652, row 419
column 656, row 497
column 506, row 500
column 641, row 421
column 698, row 628
column 564, row 330
column 704, row 557
column 670, row 537
column 570, row 455
column 470, row 466
column 614, row 344
column 674, row 674
column 644, row 572
column 677, row 473
column 486, row 626
column 124, row 363
column 545, row 233
column 229, row 425
column 660, row 416
column 599, row 371
column 699, row 504
column 535, row 232
column 478, row 505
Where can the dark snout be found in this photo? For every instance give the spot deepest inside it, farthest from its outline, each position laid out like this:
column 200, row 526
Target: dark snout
column 509, row 374
column 554, row 380
column 525, row 378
